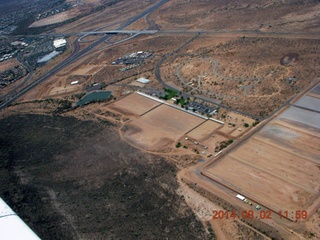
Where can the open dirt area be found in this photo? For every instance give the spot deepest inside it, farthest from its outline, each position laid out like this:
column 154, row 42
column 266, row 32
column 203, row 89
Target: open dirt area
column 87, row 70
column 278, row 167
column 291, row 178
column 266, row 16
column 57, row 18
column 134, row 104
column 204, row 131
column 160, row 128
column 118, row 12
column 245, row 73
column 58, row 91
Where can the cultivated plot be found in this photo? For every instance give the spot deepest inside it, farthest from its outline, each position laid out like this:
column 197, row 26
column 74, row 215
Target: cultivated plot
column 134, row 104
column 160, row 127
column 204, row 131
column 279, row 166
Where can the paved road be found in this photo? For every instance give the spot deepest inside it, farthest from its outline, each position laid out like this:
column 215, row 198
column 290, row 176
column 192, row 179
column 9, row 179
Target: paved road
column 247, row 33
column 77, row 55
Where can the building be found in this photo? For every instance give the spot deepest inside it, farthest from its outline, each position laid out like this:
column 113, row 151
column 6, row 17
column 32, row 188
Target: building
column 242, row 198
column 143, row 80
column 57, row 43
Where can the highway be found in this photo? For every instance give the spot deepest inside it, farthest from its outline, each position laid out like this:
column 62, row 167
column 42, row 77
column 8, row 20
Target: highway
column 241, row 33
column 76, row 55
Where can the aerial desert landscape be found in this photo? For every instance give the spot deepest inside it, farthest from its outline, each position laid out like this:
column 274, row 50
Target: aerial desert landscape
column 160, row 119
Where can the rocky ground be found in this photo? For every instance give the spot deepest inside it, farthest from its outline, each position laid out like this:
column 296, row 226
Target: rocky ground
column 71, row 179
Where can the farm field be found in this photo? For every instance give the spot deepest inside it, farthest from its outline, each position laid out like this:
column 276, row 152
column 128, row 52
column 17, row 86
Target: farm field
column 160, row 128
column 204, row 131
column 133, row 104
column 278, row 166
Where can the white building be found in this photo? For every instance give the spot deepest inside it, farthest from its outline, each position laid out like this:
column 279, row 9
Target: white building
column 59, row 42
column 143, row 80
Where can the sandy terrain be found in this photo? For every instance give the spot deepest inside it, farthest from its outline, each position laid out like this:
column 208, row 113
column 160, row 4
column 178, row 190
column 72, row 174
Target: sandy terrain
column 133, row 104
column 204, row 131
column 214, row 141
column 160, row 128
column 122, row 10
column 266, row 16
column 244, row 73
column 289, row 198
column 227, row 129
column 60, row 17
column 88, row 70
column 57, row 91
column 283, row 157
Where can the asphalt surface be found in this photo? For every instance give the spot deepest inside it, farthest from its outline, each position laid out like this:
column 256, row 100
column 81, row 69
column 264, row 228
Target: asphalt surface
column 75, row 56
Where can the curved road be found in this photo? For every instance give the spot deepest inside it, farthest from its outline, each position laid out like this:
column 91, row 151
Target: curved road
column 77, row 55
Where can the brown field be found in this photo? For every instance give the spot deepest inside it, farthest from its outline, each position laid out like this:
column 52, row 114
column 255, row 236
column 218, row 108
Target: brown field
column 8, row 64
column 134, row 104
column 57, row 91
column 214, row 141
column 116, row 13
column 228, row 14
column 244, row 73
column 60, row 17
column 270, row 191
column 87, row 70
column 279, row 166
column 227, row 129
column 204, row 131
column 160, row 128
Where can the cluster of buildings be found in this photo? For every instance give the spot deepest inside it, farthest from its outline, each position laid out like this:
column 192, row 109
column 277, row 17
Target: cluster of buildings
column 58, row 43
column 11, row 75
column 6, row 56
column 61, row 8
column 201, row 108
column 133, row 58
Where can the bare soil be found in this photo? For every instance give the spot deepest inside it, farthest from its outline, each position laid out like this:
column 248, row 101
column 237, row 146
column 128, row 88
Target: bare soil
column 204, row 131
column 5, row 65
column 60, row 17
column 160, row 128
column 133, row 104
column 245, row 73
column 267, row 16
